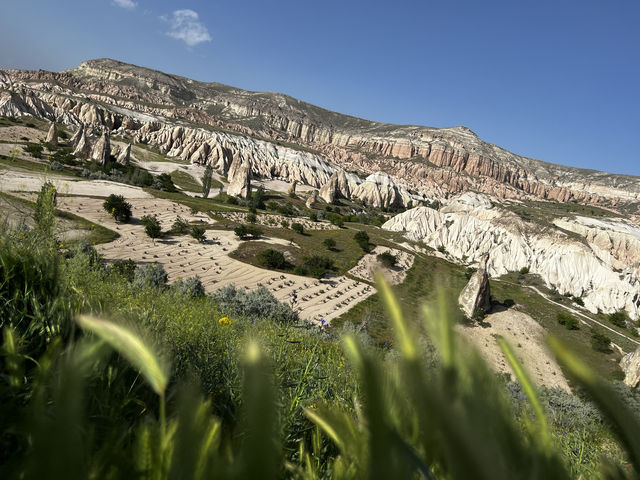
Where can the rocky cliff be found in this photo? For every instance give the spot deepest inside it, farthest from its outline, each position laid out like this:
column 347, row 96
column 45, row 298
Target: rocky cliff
column 426, row 161
column 584, row 265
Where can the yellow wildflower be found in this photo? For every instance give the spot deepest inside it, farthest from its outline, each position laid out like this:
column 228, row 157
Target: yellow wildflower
column 224, row 321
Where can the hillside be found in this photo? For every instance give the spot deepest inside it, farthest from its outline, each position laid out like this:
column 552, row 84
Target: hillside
column 432, row 162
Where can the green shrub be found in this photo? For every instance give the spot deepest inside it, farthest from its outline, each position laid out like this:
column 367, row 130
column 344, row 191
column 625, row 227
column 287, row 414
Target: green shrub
column 298, row 228
column 600, row 342
column 619, row 319
column 191, row 287
column 284, row 224
column 271, row 258
column 198, row 232
column 315, row 265
column 524, row 270
column 566, row 320
column 124, row 268
column 578, row 301
column 253, row 304
column 330, row 243
column 442, row 249
column 251, row 218
column 387, row 259
column 180, row 226
column 362, row 239
column 33, row 149
column 164, row 182
column 118, row 208
column 150, row 275
column 206, row 181
column 313, row 216
column 151, row 226
column 257, row 199
column 245, row 231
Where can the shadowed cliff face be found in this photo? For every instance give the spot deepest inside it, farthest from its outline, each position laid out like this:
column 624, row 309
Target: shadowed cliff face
column 430, row 161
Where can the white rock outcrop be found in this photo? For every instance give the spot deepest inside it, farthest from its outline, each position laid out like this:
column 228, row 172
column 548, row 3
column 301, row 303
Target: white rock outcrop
column 477, row 293
column 101, row 151
column 52, row 134
column 469, row 227
column 124, row 155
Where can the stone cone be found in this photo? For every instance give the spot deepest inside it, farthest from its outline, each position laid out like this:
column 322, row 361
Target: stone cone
column 52, row 135
column 476, row 294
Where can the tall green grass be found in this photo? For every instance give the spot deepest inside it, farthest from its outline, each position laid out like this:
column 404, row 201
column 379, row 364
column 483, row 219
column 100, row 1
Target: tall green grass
column 100, row 378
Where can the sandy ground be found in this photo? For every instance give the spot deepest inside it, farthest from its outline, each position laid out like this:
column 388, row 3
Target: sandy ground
column 183, row 257
column 15, row 134
column 275, row 220
column 281, row 186
column 11, row 181
column 368, row 266
column 526, row 337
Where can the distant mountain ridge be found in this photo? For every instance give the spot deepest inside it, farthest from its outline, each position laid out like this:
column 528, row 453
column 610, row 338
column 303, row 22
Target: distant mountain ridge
column 430, row 161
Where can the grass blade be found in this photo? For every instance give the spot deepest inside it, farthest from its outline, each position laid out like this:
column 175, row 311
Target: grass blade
column 132, row 347
column 530, row 391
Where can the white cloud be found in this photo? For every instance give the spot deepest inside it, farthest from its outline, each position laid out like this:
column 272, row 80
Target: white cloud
column 185, row 25
column 128, row 4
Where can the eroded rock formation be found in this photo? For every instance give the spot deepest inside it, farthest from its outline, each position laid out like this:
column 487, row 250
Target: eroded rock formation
column 52, row 135
column 101, row 151
column 471, row 226
column 427, row 161
column 476, row 295
column 630, row 365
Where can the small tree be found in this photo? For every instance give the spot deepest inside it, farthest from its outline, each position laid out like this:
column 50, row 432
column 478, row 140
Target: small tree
column 191, row 287
column 313, row 217
column 330, row 243
column 150, row 275
column 569, row 322
column 180, row 226
column 257, row 199
column 124, row 268
column 297, row 227
column 45, row 211
column 151, row 226
column 245, row 231
column 619, row 319
column 600, row 342
column 206, row 181
column 251, row 218
column 362, row 239
column 387, row 259
column 271, row 258
column 118, row 208
column 198, row 232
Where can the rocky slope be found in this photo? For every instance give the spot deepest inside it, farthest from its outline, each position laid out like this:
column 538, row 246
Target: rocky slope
column 600, row 264
column 428, row 161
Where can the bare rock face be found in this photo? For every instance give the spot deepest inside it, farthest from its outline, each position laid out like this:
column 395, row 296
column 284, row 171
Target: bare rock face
column 140, row 103
column 312, row 200
column 476, row 294
column 83, row 148
column 101, row 151
column 292, row 188
column 75, row 139
column 124, row 155
column 52, row 135
column 470, row 226
column 380, row 190
column 328, row 192
column 240, row 179
column 630, row 365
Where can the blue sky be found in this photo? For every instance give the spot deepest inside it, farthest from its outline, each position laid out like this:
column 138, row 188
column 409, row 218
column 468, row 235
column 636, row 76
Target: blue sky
column 554, row 80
